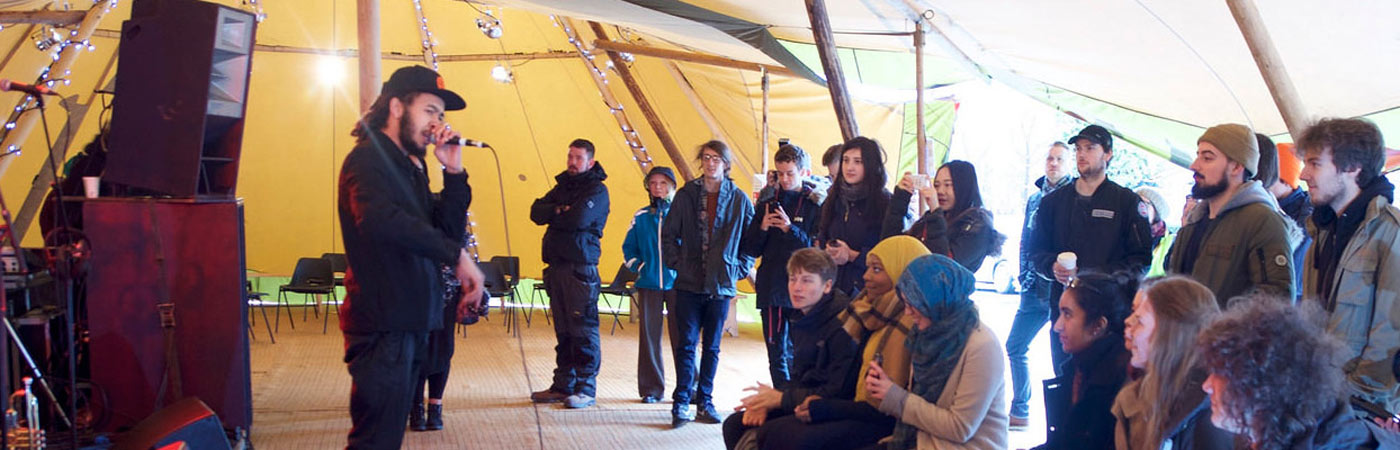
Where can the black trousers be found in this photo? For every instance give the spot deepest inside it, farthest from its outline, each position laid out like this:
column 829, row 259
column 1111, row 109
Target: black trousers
column 775, row 336
column 651, row 365
column 383, row 369
column 573, row 299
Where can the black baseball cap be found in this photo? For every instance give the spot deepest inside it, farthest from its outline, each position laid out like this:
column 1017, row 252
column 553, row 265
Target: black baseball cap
column 422, row 79
column 1095, row 134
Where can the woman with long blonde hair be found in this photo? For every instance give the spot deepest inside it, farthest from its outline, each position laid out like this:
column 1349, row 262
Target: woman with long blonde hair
column 1167, row 404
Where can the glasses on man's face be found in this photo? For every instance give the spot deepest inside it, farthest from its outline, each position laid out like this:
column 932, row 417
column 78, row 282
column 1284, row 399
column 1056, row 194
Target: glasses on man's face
column 711, row 158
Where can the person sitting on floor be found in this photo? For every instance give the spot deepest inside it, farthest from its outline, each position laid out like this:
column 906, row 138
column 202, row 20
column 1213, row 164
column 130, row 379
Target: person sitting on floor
column 824, row 358
column 1077, row 403
column 1166, row 406
column 957, row 393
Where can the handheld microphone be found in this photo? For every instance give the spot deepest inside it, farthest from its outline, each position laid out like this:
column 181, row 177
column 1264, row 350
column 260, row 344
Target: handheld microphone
column 35, row 90
column 465, row 142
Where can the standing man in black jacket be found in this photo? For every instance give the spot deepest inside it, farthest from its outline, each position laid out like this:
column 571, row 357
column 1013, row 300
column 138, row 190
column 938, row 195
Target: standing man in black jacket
column 397, row 235
column 1103, row 224
column 788, row 224
column 574, row 211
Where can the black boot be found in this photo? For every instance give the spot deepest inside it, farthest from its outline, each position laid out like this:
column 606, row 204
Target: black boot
column 415, row 418
column 434, row 417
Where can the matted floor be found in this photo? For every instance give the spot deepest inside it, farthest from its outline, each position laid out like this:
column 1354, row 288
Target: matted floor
column 301, row 389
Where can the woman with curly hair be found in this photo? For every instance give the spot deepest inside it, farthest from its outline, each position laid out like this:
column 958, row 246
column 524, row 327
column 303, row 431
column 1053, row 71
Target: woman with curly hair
column 1166, row 406
column 1276, row 378
column 1077, row 403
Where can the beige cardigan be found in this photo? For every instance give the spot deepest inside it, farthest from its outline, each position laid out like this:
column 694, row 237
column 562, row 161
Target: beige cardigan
column 971, row 412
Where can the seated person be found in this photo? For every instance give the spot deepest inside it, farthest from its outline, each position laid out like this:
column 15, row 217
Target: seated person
column 1275, row 378
column 1166, row 406
column 1077, row 404
column 957, row 393
column 824, row 356
column 876, row 318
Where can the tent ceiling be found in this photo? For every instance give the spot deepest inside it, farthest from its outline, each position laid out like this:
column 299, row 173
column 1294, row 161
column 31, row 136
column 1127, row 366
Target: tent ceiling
column 1182, row 60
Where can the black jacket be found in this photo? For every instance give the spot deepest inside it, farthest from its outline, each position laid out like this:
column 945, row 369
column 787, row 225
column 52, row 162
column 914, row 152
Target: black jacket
column 714, row 270
column 859, row 227
column 397, row 236
column 572, row 236
column 825, row 359
column 1086, row 424
column 968, row 241
column 775, row 246
column 1030, row 281
column 1338, row 429
column 1108, row 231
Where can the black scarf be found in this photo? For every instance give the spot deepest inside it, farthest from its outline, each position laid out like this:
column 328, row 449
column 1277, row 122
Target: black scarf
column 1327, row 255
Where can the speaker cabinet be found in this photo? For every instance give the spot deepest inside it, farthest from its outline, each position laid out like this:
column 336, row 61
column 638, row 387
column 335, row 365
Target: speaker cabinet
column 190, row 253
column 187, row 423
column 182, row 86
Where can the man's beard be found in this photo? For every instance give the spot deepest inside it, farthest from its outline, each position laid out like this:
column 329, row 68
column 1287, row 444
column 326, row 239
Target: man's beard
column 407, row 139
column 1091, row 172
column 1204, row 191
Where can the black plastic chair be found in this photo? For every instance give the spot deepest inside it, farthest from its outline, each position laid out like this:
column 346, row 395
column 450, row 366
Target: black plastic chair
column 312, row 276
column 498, row 287
column 510, row 268
column 621, row 287
column 338, row 266
column 251, row 296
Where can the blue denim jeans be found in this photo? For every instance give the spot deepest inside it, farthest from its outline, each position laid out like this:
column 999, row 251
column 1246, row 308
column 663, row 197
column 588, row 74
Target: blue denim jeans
column 699, row 320
column 1031, row 316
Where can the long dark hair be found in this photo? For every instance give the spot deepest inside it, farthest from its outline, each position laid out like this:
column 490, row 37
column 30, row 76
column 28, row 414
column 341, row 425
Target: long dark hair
column 873, row 158
column 965, row 187
column 378, row 115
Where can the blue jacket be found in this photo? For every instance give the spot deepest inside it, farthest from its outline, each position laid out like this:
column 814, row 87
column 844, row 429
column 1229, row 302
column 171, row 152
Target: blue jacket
column 775, row 246
column 641, row 250
column 715, row 269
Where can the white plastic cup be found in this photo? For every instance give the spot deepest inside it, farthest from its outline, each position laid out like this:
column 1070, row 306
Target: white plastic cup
column 90, row 185
column 1068, row 260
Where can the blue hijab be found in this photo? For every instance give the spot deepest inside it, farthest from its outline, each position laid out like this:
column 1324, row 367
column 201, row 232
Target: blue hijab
column 940, row 289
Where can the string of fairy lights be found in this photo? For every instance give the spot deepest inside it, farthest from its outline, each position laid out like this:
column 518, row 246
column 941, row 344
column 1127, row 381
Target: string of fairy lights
column 629, row 133
column 53, row 40
column 430, row 56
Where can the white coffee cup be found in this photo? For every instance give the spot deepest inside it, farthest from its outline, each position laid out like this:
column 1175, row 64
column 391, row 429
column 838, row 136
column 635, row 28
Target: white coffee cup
column 1068, row 260
column 90, row 185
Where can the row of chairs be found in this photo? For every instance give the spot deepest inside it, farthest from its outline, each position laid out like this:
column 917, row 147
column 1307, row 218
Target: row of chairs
column 320, row 277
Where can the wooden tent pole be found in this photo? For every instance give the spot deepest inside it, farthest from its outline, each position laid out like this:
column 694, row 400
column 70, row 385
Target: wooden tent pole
column 368, row 33
column 59, row 69
column 705, row 114
column 765, row 124
column 1256, row 35
column 644, row 104
column 698, row 58
column 919, row 97
column 44, row 16
column 831, row 65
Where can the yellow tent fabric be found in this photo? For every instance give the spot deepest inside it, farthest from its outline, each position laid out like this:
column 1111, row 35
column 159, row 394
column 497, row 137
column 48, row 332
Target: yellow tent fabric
column 297, row 129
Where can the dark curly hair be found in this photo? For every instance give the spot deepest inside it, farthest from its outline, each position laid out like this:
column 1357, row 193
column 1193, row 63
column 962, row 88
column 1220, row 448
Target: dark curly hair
column 1282, row 371
column 1355, row 144
column 378, row 115
column 1106, row 295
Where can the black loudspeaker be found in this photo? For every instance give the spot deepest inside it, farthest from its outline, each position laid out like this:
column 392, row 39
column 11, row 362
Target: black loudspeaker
column 187, row 421
column 182, row 89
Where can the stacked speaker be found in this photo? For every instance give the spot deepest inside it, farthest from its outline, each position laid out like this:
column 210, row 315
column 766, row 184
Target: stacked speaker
column 182, row 86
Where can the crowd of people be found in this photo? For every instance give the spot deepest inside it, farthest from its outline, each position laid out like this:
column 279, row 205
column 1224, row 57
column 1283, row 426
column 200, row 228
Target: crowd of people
column 1269, row 320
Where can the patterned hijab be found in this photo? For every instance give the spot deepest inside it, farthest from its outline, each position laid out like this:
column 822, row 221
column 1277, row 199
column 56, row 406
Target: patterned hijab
column 939, row 288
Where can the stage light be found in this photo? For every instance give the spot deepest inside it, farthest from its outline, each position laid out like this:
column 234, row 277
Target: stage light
column 489, row 25
column 502, row 73
column 329, row 70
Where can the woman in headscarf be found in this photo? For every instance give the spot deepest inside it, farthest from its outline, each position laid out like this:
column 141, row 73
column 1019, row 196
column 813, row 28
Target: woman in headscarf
column 876, row 320
column 956, row 224
column 1166, row 406
column 851, row 215
column 957, row 388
